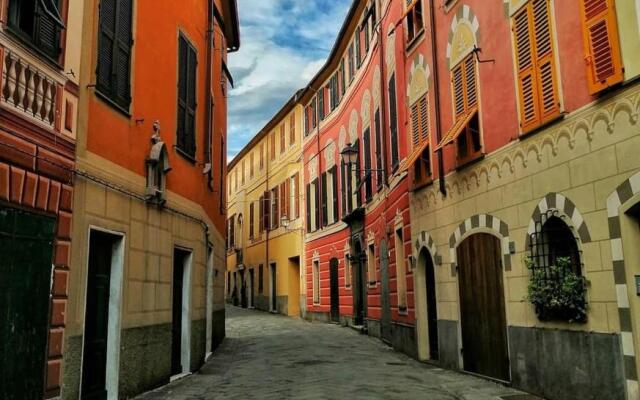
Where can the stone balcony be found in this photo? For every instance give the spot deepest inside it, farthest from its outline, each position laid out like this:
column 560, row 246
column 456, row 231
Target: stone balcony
column 31, row 88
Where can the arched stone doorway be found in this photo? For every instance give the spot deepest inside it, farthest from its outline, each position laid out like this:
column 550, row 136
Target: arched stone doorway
column 427, row 328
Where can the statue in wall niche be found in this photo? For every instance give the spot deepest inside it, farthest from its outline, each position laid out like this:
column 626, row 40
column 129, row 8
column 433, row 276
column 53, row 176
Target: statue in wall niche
column 157, row 168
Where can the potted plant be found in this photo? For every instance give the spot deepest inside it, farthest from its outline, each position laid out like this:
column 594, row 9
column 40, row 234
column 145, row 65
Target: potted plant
column 557, row 292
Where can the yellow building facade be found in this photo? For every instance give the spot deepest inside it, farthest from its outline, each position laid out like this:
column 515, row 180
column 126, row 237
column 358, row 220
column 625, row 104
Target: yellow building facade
column 265, row 218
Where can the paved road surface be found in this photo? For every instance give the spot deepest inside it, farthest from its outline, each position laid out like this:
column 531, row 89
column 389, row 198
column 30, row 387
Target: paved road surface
column 269, row 356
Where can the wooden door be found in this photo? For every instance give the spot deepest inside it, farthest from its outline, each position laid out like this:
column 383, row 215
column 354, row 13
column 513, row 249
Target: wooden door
column 176, row 326
column 251, row 281
column 335, row 290
column 359, row 285
column 26, row 249
column 94, row 356
column 432, row 309
column 385, row 319
column 482, row 309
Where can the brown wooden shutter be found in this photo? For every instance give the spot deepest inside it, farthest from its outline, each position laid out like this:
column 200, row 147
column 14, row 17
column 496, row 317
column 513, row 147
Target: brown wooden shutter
column 545, row 59
column 296, row 198
column 527, row 87
column 292, row 128
column 273, row 146
column 287, row 199
column 602, row 44
column 261, row 214
column 282, row 139
column 458, row 90
column 424, row 118
column 471, row 92
column 415, row 124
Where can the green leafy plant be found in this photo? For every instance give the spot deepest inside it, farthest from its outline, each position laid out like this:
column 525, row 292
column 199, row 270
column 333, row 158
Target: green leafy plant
column 557, row 293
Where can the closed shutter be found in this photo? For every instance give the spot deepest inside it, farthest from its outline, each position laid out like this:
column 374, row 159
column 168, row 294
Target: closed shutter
column 251, row 216
column 366, row 142
column 292, row 128
column 529, row 114
column 186, row 97
column 379, row 153
column 296, row 199
column 324, row 204
column 602, row 44
column 273, row 146
column 316, row 193
column 267, row 210
column 321, row 96
column 535, row 57
column 114, row 50
column 47, row 36
column 276, row 209
column 393, row 119
column 308, row 210
column 334, row 182
column 458, row 90
column 358, row 55
column 261, row 215
column 282, row 139
column 545, row 58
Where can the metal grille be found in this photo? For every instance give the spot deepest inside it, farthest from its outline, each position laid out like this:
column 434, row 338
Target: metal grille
column 553, row 239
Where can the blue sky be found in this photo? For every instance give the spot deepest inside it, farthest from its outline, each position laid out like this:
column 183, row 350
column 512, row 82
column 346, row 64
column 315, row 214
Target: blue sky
column 283, row 44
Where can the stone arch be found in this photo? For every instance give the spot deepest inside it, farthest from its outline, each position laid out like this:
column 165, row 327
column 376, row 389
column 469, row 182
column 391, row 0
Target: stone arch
column 376, row 87
column 424, row 240
column 464, row 35
column 390, row 51
column 567, row 210
column 419, row 75
column 623, row 193
column 329, row 154
column 476, row 224
column 342, row 138
column 365, row 109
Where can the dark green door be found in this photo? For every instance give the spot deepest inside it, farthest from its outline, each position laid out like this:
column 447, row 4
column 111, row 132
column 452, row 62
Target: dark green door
column 94, row 358
column 26, row 248
column 179, row 258
column 385, row 317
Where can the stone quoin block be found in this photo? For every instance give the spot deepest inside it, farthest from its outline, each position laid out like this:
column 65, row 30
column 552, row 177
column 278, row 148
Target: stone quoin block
column 17, row 184
column 54, row 197
column 30, row 189
column 56, row 340
column 58, row 312
column 43, row 193
column 4, row 181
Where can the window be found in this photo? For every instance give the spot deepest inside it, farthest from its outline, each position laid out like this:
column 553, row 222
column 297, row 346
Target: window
column 284, row 195
column 295, row 201
column 275, row 217
column 231, row 229
column 38, row 23
column 321, row 103
column 329, row 201
column 420, row 141
column 393, row 120
column 401, row 271
column 535, row 58
column 273, row 146
column 415, row 22
column 186, row 120
column 243, row 172
column 313, row 211
column 379, row 151
column 368, row 179
column 114, row 51
column 251, row 219
column 324, row 200
column 466, row 128
column 602, row 44
column 262, row 150
column 316, row 282
column 347, row 270
column 266, row 216
column 371, row 265
column 342, row 78
column 251, row 162
column 282, row 139
column 358, row 49
column 261, row 211
column 292, row 129
column 260, row 278
column 352, row 71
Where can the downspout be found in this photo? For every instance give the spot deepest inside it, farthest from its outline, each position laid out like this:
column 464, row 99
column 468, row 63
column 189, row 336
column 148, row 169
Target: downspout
column 209, row 100
column 436, row 98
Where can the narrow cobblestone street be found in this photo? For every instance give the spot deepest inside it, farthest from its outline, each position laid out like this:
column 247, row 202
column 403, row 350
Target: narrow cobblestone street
column 269, row 356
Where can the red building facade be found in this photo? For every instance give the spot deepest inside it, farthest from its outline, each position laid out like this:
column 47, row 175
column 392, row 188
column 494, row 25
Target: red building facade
column 358, row 225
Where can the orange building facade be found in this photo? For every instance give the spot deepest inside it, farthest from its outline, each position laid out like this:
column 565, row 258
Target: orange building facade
column 149, row 255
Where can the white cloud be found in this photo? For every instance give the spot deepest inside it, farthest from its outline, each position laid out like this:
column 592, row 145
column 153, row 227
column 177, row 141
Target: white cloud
column 283, row 45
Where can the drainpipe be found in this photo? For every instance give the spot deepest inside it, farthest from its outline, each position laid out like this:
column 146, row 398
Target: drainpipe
column 209, row 99
column 436, row 98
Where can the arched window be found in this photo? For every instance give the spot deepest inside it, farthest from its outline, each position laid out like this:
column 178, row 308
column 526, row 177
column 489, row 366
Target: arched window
column 553, row 240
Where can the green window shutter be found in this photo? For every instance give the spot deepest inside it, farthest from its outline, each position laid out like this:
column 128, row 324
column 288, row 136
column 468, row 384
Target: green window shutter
column 324, row 204
column 186, row 119
column 114, row 51
column 334, row 175
column 393, row 118
column 308, row 211
column 47, row 32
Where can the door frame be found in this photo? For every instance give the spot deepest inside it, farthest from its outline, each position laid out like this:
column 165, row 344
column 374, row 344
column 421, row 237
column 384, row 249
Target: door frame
column 209, row 305
column 273, row 295
column 494, row 227
column 331, row 288
column 114, row 322
column 425, row 244
column 185, row 340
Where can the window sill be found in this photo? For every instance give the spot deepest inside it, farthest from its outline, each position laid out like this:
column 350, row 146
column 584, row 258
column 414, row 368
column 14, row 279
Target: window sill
column 413, row 43
column 543, row 126
column 468, row 161
column 117, row 107
column 185, row 155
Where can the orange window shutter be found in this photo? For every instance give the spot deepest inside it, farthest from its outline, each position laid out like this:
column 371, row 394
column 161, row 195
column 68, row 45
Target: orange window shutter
column 424, row 118
column 527, row 77
column 415, row 125
column 471, row 91
column 602, row 44
column 458, row 91
column 549, row 99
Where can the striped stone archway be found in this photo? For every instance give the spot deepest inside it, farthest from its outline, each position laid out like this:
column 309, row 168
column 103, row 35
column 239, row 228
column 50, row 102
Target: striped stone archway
column 566, row 209
column 623, row 193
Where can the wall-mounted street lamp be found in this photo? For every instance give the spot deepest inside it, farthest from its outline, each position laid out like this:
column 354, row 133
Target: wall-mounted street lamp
column 285, row 222
column 349, row 156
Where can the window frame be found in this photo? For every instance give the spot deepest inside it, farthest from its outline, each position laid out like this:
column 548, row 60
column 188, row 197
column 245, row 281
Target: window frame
column 191, row 50
column 467, row 133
